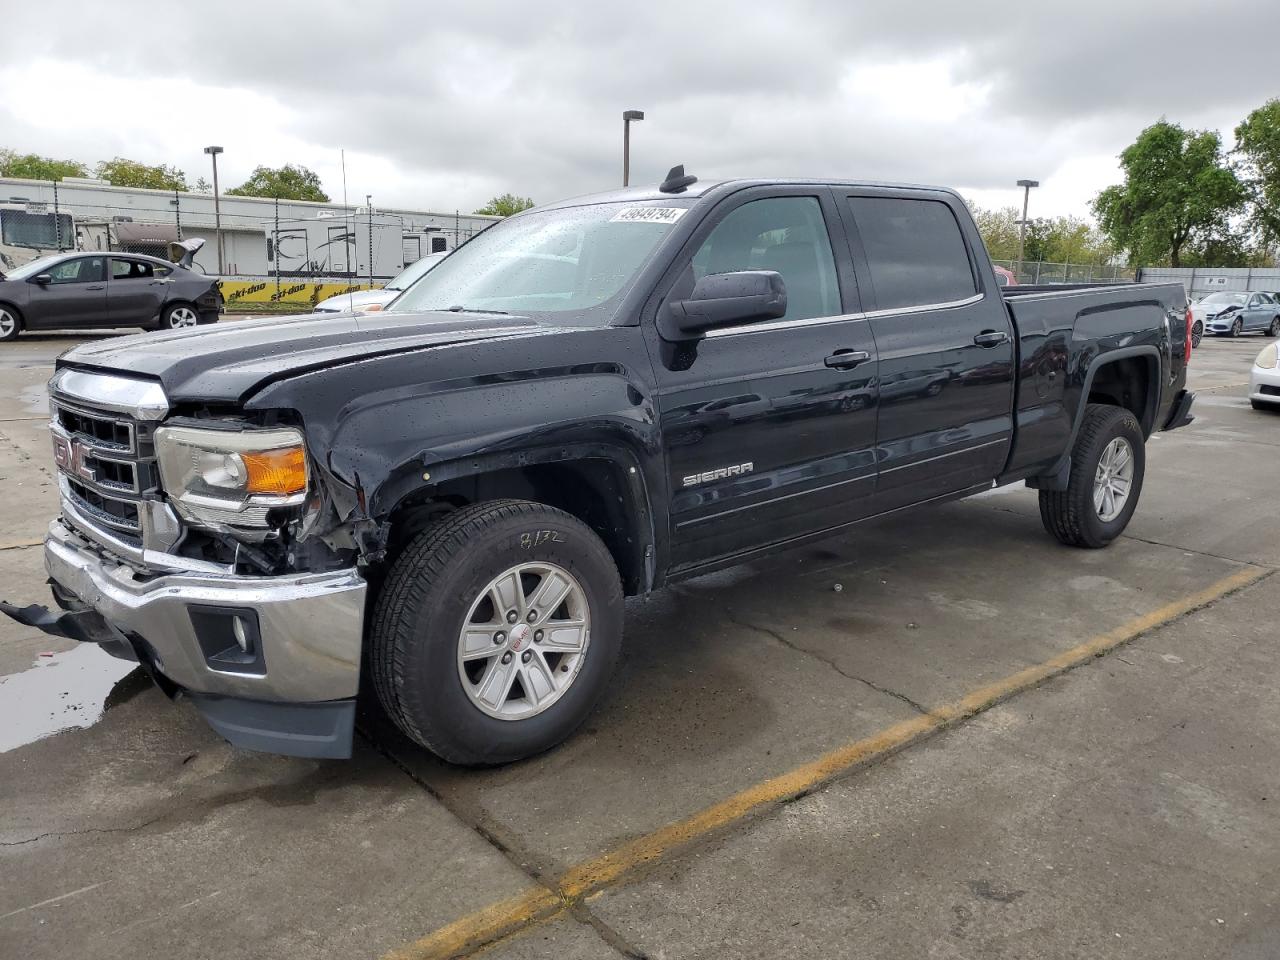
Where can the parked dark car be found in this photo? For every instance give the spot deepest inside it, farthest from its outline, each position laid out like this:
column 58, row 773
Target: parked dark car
column 590, row 399
column 78, row 290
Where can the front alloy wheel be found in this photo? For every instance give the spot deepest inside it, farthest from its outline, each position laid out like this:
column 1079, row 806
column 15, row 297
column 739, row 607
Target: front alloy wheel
column 524, row 641
column 9, row 325
column 1197, row 333
column 495, row 631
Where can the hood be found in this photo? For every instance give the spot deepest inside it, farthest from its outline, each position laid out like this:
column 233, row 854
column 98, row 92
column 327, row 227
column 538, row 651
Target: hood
column 350, row 301
column 227, row 362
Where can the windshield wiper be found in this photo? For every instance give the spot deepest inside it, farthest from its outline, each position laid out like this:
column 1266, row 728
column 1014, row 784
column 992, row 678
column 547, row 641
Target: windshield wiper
column 457, row 308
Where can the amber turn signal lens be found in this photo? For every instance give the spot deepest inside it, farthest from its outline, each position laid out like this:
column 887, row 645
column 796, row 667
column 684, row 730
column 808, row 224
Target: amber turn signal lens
column 373, row 308
column 276, row 472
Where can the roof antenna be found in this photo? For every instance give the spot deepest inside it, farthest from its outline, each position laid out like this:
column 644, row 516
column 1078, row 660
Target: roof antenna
column 676, row 181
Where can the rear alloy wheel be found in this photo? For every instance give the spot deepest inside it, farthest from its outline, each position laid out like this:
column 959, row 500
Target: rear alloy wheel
column 180, row 317
column 495, row 631
column 1273, row 331
column 1237, row 328
column 1108, row 463
column 10, row 325
column 1197, row 333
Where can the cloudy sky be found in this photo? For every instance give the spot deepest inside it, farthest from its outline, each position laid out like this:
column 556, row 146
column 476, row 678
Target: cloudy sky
column 440, row 106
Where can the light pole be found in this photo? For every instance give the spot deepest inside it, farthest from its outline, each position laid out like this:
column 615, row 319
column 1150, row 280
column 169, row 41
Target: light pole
column 217, row 208
column 627, row 117
column 1026, row 186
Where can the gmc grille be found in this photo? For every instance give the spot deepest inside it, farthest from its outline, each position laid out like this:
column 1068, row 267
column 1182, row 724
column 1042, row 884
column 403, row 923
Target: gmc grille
column 107, row 469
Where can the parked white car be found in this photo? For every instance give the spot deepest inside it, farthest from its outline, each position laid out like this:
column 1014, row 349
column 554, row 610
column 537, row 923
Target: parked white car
column 366, row 301
column 1264, row 381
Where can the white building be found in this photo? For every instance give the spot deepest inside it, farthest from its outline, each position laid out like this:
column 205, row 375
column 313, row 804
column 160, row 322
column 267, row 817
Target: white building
column 33, row 221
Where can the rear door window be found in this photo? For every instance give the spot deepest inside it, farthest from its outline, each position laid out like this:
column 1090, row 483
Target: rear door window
column 131, row 270
column 915, row 252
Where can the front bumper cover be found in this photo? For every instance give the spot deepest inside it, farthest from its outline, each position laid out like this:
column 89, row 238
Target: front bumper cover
column 297, row 697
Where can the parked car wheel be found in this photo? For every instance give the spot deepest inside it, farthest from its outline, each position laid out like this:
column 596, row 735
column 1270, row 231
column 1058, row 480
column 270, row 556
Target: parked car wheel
column 179, row 316
column 1273, row 331
column 1108, row 463
column 10, row 322
column 1197, row 333
column 496, row 631
column 1237, row 328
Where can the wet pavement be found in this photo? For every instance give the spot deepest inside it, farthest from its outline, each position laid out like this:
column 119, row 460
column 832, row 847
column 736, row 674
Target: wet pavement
column 1122, row 809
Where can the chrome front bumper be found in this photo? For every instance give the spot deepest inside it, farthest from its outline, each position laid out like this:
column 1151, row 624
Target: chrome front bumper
column 310, row 626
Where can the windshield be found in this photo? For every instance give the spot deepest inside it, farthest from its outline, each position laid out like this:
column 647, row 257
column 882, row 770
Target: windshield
column 1224, row 298
column 34, row 268
column 572, row 263
column 405, row 278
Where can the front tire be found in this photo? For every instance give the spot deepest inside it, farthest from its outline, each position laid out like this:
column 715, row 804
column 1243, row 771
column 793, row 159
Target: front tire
column 461, row 656
column 10, row 323
column 1237, row 328
column 1108, row 463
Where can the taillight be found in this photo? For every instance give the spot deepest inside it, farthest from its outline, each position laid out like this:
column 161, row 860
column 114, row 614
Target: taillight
column 1186, row 349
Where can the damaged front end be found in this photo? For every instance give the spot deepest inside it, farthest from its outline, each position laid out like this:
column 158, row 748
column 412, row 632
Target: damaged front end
column 201, row 543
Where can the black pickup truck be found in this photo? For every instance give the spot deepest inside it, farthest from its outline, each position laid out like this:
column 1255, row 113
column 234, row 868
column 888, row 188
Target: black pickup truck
column 589, row 400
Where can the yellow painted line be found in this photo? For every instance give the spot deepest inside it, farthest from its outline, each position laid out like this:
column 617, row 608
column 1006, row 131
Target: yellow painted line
column 542, row 904
column 484, row 926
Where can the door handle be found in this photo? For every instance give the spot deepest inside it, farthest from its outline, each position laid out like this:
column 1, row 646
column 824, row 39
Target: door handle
column 846, row 359
column 991, row 338
column 97, row 286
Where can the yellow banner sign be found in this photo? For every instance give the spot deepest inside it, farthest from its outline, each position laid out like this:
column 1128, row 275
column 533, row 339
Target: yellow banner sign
column 299, row 293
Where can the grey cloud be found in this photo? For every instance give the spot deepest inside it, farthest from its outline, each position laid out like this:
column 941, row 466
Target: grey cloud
column 528, row 96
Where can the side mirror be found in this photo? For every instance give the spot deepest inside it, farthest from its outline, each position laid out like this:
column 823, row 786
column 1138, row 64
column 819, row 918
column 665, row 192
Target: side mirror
column 42, row 279
column 725, row 299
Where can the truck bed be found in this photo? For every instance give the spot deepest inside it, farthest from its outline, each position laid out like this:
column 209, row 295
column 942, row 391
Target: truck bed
column 1063, row 333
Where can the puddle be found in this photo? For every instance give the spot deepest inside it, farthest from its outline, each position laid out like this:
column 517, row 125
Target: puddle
column 61, row 692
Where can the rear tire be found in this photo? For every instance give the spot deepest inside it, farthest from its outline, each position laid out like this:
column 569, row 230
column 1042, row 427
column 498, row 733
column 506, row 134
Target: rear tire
column 1197, row 334
column 441, row 593
column 1273, row 331
column 1073, row 515
column 179, row 316
column 10, row 323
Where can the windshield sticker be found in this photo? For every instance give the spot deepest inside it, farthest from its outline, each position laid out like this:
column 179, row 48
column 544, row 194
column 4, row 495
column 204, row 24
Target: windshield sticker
column 649, row 214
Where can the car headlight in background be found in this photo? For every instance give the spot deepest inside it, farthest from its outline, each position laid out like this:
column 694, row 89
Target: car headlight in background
column 1269, row 358
column 232, row 478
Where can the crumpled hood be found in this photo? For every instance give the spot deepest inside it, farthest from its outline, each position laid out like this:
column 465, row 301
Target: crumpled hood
column 228, row 361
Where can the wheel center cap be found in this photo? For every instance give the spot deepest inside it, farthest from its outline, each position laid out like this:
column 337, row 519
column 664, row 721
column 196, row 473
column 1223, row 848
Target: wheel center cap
column 520, row 636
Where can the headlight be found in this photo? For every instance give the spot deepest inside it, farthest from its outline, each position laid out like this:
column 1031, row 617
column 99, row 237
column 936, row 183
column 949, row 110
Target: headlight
column 1269, row 358
column 220, row 478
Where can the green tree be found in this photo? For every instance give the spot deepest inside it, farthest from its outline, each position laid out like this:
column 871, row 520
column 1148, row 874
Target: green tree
column 1177, row 189
column 1258, row 142
column 29, row 166
column 999, row 229
column 505, row 205
column 289, row 182
column 121, row 172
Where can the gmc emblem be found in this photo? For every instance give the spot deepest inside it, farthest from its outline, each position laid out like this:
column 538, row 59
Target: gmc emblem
column 72, row 457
